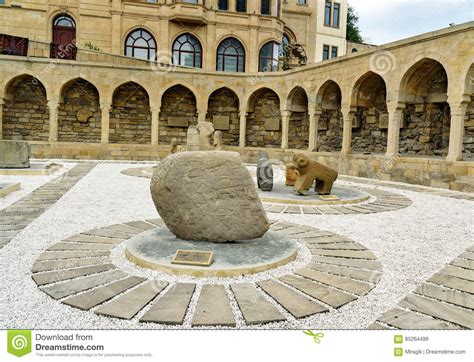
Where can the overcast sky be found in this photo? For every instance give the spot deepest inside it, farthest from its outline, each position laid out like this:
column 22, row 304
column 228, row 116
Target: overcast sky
column 384, row 21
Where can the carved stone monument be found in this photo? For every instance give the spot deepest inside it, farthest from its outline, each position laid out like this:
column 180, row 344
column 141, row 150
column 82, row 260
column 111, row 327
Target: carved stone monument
column 264, row 172
column 218, row 142
column 208, row 196
column 14, row 154
column 311, row 171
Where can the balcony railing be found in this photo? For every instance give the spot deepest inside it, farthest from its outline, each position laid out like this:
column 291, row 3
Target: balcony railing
column 60, row 51
column 13, row 45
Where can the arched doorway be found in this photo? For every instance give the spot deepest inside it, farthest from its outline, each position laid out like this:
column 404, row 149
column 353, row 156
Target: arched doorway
column 298, row 130
column 330, row 121
column 223, row 112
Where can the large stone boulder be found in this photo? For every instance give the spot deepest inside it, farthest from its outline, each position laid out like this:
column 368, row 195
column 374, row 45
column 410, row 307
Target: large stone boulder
column 208, row 196
column 14, row 154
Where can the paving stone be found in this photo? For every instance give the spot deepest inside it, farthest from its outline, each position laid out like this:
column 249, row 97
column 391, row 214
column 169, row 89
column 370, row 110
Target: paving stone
column 351, row 254
column 463, row 263
column 344, row 210
column 337, row 246
column 292, row 210
column 294, row 231
column 141, row 225
column 467, row 255
column 276, row 208
column 356, row 263
column 11, row 227
column 157, row 222
column 458, row 272
column 314, row 234
column 436, row 309
column 282, row 225
column 81, row 246
column 377, row 326
column 327, row 210
column 358, row 210
column 452, row 282
column 129, row 304
column 57, row 255
column 446, row 295
column 67, row 288
column 213, row 307
column 254, row 307
column 333, row 297
column 172, row 307
column 310, row 210
column 82, row 238
column 344, row 283
column 327, row 238
column 102, row 294
column 107, row 234
column 124, row 229
column 40, row 266
column 4, row 240
column 298, row 305
column 364, row 275
column 57, row 276
column 403, row 319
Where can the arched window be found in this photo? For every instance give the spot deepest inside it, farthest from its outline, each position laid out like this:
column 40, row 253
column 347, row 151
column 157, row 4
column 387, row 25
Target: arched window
column 231, row 56
column 285, row 45
column 140, row 44
column 187, row 51
column 64, row 37
column 268, row 58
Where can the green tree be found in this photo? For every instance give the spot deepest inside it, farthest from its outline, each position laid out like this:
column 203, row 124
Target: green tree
column 353, row 31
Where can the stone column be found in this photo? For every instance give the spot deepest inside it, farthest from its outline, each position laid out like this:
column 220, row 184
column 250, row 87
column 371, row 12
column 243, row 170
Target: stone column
column 105, row 121
column 243, row 128
column 456, row 131
column 155, row 125
column 232, row 5
column 285, row 127
column 202, row 115
column 53, row 120
column 348, row 115
column 314, row 129
column 395, row 114
column 2, row 102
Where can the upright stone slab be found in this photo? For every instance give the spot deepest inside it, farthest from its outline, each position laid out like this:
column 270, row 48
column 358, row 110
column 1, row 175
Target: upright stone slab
column 264, row 172
column 208, row 196
column 14, row 154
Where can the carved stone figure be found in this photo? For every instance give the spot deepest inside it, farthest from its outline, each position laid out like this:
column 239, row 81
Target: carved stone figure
column 291, row 174
column 311, row 171
column 218, row 142
column 264, row 172
column 193, row 140
column 208, row 196
column 174, row 145
column 206, row 130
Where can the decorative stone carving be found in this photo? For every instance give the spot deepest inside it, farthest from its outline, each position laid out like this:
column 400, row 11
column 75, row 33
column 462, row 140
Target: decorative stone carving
column 193, row 141
column 291, row 175
column 83, row 115
column 206, row 130
column 383, row 121
column 264, row 172
column 208, row 196
column 218, row 142
column 14, row 154
column 311, row 171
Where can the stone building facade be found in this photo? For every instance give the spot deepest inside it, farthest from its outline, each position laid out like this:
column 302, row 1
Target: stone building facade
column 405, row 108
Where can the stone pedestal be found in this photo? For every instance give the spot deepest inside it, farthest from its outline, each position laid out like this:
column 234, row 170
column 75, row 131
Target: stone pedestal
column 14, row 154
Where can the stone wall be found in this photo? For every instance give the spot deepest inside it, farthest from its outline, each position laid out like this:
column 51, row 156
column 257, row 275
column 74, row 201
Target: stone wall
column 298, row 132
column 224, row 103
column 330, row 131
column 130, row 118
column 425, row 129
column 25, row 112
column 468, row 144
column 178, row 105
column 266, row 110
column 79, row 116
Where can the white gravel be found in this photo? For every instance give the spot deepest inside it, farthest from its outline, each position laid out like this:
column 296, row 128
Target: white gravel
column 412, row 244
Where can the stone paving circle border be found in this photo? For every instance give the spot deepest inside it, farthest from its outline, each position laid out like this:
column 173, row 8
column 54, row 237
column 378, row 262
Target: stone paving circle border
column 9, row 187
column 78, row 272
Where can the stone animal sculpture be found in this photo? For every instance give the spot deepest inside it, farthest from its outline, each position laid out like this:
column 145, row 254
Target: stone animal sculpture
column 174, row 146
column 199, row 137
column 291, row 175
column 264, row 172
column 218, row 142
column 311, row 171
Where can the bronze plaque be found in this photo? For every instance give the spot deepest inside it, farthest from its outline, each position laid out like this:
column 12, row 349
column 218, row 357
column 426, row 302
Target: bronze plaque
column 193, row 257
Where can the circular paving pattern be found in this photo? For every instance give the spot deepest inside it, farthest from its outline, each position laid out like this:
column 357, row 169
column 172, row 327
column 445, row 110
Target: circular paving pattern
column 79, row 272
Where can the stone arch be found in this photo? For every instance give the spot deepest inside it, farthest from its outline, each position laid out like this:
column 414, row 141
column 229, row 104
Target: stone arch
column 330, row 126
column 370, row 123
column 223, row 112
column 426, row 118
column 264, row 119
column 298, row 129
column 25, row 112
column 130, row 116
column 178, row 112
column 79, row 114
column 468, row 140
